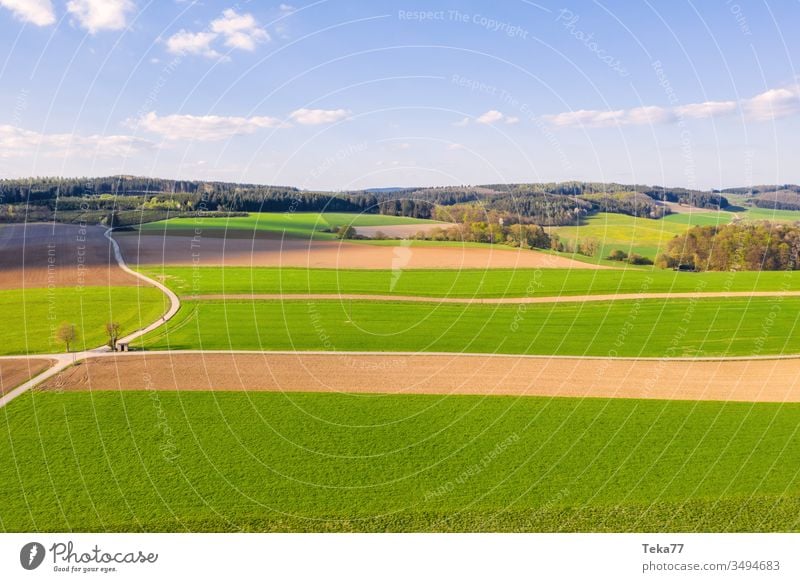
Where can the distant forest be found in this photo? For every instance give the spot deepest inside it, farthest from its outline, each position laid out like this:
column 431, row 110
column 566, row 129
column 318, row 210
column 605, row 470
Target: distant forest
column 131, row 199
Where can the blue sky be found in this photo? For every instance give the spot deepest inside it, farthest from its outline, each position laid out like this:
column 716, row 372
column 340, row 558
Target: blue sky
column 342, row 95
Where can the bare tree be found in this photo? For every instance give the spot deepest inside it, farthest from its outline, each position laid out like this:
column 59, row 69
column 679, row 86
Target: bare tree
column 66, row 334
column 112, row 331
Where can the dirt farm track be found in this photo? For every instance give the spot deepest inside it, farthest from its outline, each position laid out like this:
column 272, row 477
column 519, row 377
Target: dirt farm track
column 762, row 380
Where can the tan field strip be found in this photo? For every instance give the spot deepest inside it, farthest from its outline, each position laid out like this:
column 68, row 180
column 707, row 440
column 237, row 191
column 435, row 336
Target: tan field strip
column 762, row 380
column 14, row 372
column 211, row 249
column 487, row 300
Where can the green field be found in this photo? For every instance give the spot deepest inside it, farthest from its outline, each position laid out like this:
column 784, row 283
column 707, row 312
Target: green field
column 644, row 236
column 190, row 281
column 31, row 316
column 649, row 237
column 297, row 224
column 655, row 327
column 201, row 461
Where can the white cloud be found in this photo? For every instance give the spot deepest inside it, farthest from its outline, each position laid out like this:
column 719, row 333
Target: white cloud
column 38, row 12
column 647, row 115
column 773, row 104
column 706, row 109
column 586, row 117
column 463, row 123
column 97, row 15
column 240, row 31
column 286, row 8
column 766, row 106
column 490, row 117
column 184, row 42
column 456, row 146
column 17, row 142
column 202, row 127
column 236, row 31
column 318, row 116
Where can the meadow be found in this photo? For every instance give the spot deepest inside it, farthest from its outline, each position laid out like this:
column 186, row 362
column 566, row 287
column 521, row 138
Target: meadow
column 190, row 281
column 654, row 327
column 649, row 237
column 33, row 315
column 206, row 461
column 297, row 224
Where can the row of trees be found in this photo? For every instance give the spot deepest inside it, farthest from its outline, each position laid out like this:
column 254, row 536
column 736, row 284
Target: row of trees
column 67, row 334
column 760, row 246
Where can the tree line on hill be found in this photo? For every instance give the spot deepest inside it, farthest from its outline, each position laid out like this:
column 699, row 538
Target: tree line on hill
column 762, row 246
column 546, row 204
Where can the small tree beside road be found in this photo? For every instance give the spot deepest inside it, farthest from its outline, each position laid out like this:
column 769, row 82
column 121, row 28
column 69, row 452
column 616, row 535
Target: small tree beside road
column 112, row 331
column 66, row 334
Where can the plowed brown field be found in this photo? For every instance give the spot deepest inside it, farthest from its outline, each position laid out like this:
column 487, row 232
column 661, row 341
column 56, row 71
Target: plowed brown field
column 266, row 251
column 15, row 372
column 761, row 380
column 58, row 255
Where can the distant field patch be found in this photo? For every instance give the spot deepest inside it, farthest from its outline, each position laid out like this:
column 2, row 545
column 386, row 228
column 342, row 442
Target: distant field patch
column 297, row 224
column 126, row 461
column 655, row 327
column 31, row 316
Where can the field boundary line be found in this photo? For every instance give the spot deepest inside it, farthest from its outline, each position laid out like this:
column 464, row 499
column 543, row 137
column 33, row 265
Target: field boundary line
column 485, row 300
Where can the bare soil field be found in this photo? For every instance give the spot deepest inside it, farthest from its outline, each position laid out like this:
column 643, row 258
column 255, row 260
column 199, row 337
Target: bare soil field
column 58, row 255
column 14, row 372
column 737, row 380
column 273, row 252
column 400, row 230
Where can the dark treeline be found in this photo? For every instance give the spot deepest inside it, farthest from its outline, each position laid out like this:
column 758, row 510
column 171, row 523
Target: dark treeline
column 784, row 199
column 759, row 246
column 546, row 204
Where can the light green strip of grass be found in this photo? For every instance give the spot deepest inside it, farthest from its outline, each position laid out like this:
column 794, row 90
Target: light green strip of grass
column 656, row 327
column 462, row 283
column 31, row 316
column 203, row 461
column 298, row 224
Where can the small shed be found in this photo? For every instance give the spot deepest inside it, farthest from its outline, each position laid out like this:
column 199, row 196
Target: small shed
column 122, row 347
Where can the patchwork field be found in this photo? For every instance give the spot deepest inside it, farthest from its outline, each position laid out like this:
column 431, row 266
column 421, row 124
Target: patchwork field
column 201, row 461
column 657, row 327
column 188, row 281
column 32, row 316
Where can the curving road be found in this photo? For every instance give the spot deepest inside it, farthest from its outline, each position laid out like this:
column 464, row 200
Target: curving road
column 64, row 360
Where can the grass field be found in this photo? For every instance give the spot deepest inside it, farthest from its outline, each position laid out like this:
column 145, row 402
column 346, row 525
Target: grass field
column 31, row 316
column 298, row 224
column 649, row 237
column 463, row 283
column 656, row 327
column 204, row 461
